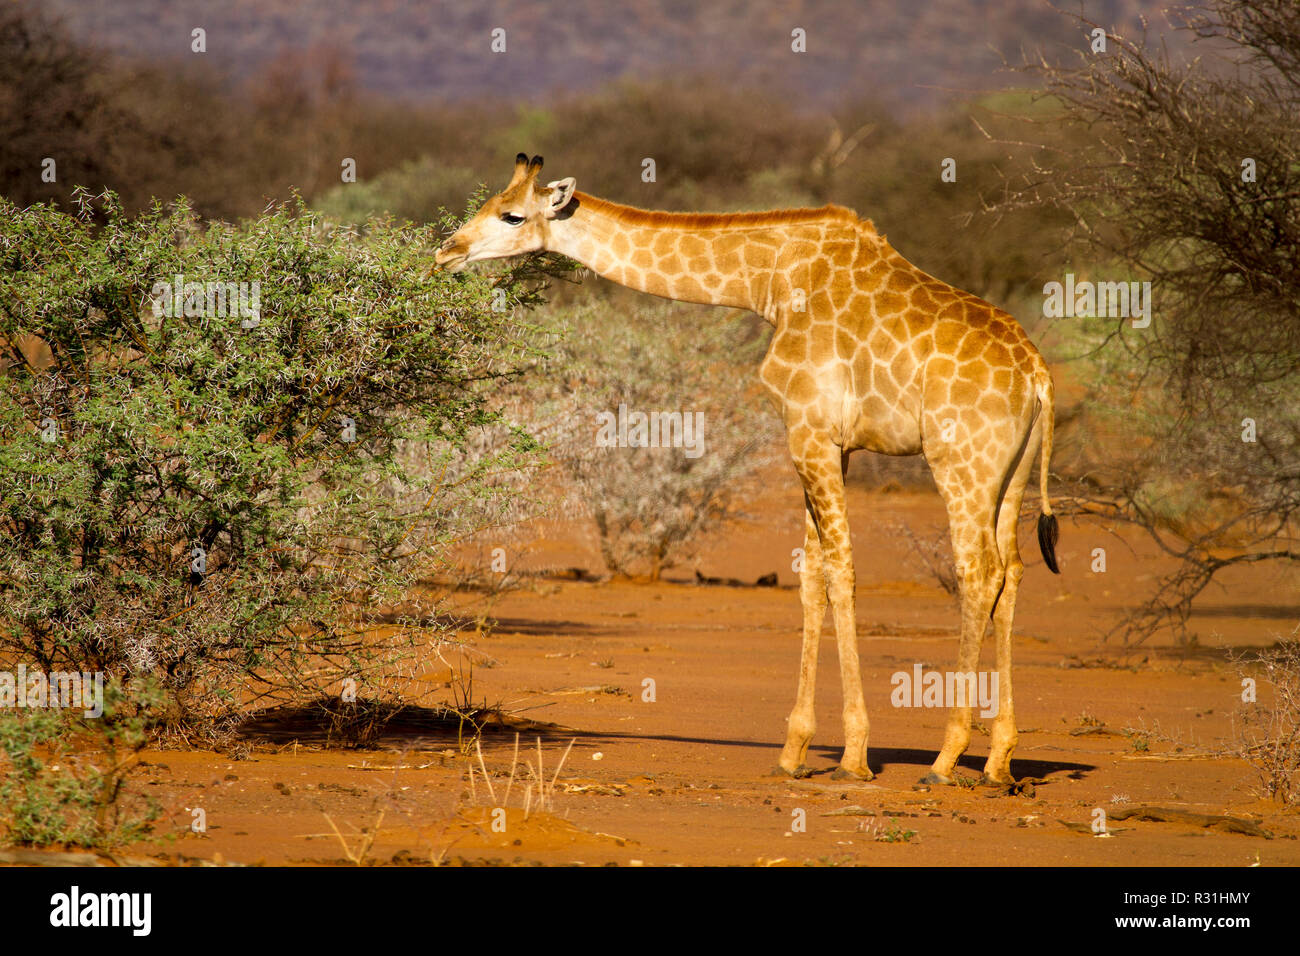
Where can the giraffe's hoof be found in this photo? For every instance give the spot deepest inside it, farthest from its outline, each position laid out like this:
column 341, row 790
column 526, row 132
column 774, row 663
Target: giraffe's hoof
column 990, row 781
column 798, row 773
column 933, row 779
column 844, row 773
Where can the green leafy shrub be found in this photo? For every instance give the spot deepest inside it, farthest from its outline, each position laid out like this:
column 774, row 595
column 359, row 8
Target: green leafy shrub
column 64, row 777
column 228, row 500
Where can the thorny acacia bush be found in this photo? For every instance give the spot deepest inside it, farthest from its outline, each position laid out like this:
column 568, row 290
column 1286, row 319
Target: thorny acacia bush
column 1268, row 735
column 226, row 503
column 1188, row 175
column 651, row 505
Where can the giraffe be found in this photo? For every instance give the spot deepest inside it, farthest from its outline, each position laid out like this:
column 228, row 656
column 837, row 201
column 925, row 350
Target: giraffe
column 868, row 352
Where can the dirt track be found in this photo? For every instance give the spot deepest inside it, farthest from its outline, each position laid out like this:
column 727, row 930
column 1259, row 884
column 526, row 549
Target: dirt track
column 683, row 779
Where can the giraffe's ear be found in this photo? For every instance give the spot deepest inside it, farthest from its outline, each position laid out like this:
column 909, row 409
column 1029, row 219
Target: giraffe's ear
column 562, row 191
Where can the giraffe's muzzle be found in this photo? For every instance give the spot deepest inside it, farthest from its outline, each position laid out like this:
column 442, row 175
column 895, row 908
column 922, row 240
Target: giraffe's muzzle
column 451, row 255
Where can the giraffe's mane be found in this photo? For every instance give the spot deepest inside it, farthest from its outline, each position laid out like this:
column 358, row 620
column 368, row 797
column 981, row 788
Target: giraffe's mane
column 632, row 216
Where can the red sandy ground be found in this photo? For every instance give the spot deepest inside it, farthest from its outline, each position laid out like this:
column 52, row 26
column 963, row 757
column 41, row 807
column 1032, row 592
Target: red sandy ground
column 683, row 780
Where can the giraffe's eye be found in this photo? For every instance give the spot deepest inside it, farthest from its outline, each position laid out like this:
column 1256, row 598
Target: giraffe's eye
column 510, row 219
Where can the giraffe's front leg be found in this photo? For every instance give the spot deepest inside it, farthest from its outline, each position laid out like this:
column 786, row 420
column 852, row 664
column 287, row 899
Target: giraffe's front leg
column 803, row 719
column 841, row 582
column 821, row 466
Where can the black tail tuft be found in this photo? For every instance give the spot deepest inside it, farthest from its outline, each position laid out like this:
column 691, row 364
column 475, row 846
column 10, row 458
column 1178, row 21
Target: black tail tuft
column 1048, row 533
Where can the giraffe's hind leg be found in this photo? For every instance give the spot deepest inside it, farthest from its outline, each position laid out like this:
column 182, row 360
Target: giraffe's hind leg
column 1003, row 734
column 980, row 575
column 973, row 464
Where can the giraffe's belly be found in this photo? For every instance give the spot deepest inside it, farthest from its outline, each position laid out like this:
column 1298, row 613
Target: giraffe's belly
column 891, row 428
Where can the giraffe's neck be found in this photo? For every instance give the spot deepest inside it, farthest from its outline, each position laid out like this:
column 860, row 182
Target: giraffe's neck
column 726, row 259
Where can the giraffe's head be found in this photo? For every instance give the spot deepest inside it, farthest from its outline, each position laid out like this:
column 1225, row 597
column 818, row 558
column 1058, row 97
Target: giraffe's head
column 514, row 221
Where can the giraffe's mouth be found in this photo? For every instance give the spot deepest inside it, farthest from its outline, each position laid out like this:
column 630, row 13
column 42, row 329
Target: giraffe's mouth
column 451, row 255
column 451, row 261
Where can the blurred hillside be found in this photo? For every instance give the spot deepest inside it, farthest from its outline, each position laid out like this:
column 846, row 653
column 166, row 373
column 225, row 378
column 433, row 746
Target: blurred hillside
column 909, row 54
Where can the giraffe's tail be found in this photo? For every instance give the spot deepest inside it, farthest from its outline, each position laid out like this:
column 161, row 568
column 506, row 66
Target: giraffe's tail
column 1048, row 529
